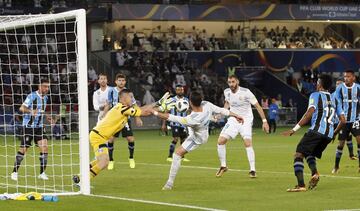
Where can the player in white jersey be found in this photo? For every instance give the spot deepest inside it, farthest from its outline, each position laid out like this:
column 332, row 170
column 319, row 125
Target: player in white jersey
column 100, row 96
column 198, row 124
column 239, row 100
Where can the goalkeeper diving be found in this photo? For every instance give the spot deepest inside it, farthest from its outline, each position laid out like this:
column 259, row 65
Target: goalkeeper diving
column 114, row 121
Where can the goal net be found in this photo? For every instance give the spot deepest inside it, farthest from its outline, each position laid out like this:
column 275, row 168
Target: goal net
column 35, row 48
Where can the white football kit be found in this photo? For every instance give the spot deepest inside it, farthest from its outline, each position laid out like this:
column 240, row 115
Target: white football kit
column 240, row 103
column 100, row 100
column 198, row 124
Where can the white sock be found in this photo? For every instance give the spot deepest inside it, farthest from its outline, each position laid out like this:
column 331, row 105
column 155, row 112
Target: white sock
column 175, row 166
column 222, row 154
column 251, row 157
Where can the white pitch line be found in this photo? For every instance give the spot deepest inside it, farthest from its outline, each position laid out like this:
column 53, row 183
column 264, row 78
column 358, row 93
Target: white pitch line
column 156, row 202
column 59, row 192
column 242, row 170
column 345, row 210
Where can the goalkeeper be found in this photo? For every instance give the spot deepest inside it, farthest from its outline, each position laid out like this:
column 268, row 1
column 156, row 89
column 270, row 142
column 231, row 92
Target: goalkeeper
column 114, row 121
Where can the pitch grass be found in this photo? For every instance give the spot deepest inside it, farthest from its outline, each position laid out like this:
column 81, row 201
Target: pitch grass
column 199, row 187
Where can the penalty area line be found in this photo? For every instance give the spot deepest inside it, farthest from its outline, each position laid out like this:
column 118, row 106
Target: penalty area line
column 241, row 170
column 155, row 202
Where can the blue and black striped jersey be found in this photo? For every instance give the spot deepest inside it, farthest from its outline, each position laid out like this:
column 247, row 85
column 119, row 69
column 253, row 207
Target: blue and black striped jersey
column 113, row 96
column 322, row 120
column 34, row 102
column 349, row 98
column 174, row 112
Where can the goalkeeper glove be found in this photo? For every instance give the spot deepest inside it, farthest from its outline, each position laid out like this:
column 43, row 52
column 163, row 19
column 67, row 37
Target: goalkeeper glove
column 163, row 99
column 167, row 105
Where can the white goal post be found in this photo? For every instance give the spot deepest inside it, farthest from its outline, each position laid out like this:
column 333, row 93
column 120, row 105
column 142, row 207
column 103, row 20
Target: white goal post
column 51, row 46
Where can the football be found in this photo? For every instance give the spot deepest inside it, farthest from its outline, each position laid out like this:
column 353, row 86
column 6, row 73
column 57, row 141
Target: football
column 182, row 105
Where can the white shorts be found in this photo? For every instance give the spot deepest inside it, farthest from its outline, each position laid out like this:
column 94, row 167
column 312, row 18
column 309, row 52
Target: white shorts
column 189, row 144
column 233, row 128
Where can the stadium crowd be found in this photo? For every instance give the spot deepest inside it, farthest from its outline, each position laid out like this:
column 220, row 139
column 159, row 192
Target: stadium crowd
column 27, row 59
column 177, row 39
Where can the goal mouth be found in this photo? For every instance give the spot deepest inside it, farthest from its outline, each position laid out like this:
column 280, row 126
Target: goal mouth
column 43, row 94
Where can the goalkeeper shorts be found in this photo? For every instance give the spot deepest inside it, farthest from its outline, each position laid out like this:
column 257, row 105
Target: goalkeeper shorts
column 98, row 143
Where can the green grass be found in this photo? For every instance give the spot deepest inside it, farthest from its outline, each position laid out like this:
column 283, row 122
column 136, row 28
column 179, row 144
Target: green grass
column 199, row 187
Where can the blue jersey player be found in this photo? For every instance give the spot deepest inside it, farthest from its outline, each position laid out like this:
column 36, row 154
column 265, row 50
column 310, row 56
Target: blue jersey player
column 348, row 94
column 33, row 109
column 113, row 99
column 178, row 130
column 321, row 111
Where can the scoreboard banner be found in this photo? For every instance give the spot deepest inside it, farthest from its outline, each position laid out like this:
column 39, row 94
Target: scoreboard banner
column 235, row 12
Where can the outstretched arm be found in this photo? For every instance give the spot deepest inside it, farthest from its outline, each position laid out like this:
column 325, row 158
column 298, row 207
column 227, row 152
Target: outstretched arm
column 265, row 125
column 303, row 121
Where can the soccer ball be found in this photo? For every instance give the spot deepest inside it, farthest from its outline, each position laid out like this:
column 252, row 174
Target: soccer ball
column 182, row 105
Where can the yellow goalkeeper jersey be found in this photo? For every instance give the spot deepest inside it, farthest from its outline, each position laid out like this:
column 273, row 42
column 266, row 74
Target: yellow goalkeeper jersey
column 116, row 119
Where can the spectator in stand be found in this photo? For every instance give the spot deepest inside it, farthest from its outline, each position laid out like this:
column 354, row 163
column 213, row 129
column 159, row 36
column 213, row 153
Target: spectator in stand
column 273, row 115
column 122, row 57
column 264, row 102
column 289, row 75
column 92, row 74
column 136, row 42
column 279, row 100
column 290, row 104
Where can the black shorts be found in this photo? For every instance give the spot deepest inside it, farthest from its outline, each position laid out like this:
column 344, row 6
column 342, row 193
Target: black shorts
column 30, row 134
column 178, row 132
column 126, row 131
column 353, row 128
column 313, row 144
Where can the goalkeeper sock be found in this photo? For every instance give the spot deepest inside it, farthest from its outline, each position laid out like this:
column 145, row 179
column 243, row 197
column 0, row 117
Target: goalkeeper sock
column 251, row 157
column 339, row 152
column 172, row 148
column 94, row 171
column 175, row 166
column 18, row 159
column 299, row 171
column 222, row 154
column 43, row 161
column 93, row 163
column 350, row 146
column 131, row 146
column 311, row 160
column 111, row 150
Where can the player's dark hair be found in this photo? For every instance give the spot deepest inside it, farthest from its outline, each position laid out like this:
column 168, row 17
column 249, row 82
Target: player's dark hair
column 326, row 81
column 178, row 86
column 124, row 91
column 349, row 71
column 44, row 80
column 120, row 75
column 340, row 79
column 233, row 76
column 196, row 98
column 102, row 74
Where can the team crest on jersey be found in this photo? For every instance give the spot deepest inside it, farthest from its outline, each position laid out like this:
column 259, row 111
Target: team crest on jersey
column 311, row 101
column 100, row 150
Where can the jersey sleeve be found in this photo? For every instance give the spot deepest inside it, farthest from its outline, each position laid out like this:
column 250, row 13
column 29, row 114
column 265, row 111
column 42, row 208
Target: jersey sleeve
column 96, row 102
column 110, row 96
column 338, row 107
column 226, row 95
column 187, row 121
column 251, row 97
column 131, row 111
column 313, row 100
column 338, row 95
column 28, row 101
column 218, row 110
